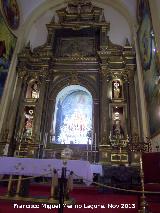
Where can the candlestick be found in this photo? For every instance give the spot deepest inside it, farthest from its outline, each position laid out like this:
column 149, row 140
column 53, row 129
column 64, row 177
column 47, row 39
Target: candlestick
column 95, row 145
column 40, row 136
column 19, row 147
column 95, row 142
column 91, row 145
column 45, row 139
column 87, row 150
column 120, row 151
column 91, row 149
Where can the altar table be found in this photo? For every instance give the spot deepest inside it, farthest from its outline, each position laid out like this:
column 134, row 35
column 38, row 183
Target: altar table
column 44, row 167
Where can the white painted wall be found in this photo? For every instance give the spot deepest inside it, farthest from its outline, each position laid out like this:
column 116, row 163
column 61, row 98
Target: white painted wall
column 27, row 6
column 132, row 6
column 119, row 28
column 38, row 32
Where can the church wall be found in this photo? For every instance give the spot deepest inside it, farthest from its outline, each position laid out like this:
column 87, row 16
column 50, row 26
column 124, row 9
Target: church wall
column 37, row 7
column 120, row 29
column 26, row 8
column 38, row 33
column 131, row 5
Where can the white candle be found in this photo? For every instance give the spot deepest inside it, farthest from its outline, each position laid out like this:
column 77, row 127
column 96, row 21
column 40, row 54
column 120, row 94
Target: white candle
column 87, row 149
column 91, row 146
column 95, row 144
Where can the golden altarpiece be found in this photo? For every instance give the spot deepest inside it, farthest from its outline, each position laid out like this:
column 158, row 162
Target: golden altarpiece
column 78, row 52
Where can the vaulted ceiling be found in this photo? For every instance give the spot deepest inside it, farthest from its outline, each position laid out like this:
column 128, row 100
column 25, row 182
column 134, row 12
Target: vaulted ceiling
column 35, row 14
column 27, row 7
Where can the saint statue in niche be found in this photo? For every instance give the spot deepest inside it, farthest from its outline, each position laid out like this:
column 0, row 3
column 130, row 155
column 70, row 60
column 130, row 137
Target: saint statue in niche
column 118, row 130
column 28, row 122
column 116, row 89
column 35, row 91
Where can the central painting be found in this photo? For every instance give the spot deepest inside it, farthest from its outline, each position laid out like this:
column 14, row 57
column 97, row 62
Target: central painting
column 73, row 116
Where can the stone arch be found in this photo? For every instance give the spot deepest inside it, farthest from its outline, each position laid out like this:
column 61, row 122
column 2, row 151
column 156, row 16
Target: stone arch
column 56, row 87
column 65, row 81
column 76, row 103
column 41, row 9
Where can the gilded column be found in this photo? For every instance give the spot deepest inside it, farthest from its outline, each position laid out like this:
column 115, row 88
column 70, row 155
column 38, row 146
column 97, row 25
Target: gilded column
column 15, row 104
column 16, row 107
column 39, row 109
column 104, row 107
column 96, row 122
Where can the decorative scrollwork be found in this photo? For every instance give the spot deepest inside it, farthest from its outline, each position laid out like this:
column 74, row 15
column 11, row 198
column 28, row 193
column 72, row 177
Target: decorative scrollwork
column 74, row 78
column 139, row 147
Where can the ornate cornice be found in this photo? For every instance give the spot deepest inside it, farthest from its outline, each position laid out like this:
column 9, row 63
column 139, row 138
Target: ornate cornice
column 80, row 10
column 76, row 59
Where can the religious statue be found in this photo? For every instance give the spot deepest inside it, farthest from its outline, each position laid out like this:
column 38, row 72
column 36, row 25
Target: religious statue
column 116, row 89
column 29, row 122
column 5, row 150
column 35, row 91
column 117, row 129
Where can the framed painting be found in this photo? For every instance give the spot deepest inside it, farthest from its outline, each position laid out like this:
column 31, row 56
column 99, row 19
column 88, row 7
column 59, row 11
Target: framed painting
column 11, row 13
column 151, row 73
column 7, row 45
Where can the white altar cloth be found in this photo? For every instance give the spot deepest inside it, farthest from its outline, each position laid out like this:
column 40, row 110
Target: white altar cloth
column 97, row 168
column 39, row 167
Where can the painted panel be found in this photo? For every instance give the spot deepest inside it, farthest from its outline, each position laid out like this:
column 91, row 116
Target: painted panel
column 11, row 12
column 74, row 119
column 7, row 45
column 150, row 66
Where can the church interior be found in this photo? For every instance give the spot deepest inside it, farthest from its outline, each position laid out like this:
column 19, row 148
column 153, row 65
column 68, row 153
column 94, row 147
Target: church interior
column 80, row 106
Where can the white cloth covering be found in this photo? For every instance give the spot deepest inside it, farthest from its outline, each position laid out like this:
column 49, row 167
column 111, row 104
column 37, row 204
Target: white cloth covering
column 39, row 167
